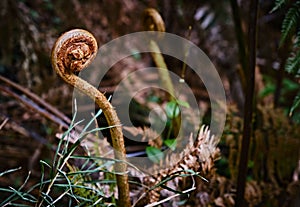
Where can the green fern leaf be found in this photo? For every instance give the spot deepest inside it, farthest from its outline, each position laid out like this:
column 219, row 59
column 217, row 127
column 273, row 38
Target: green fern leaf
column 297, row 43
column 290, row 22
column 278, row 5
column 293, row 64
column 295, row 105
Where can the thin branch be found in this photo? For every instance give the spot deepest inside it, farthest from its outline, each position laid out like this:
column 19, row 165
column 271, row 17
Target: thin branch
column 32, row 105
column 36, row 99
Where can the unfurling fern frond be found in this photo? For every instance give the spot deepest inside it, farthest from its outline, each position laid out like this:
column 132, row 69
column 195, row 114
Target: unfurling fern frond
column 290, row 21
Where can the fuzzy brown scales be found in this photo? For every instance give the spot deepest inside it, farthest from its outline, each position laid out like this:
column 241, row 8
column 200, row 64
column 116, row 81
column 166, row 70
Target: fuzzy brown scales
column 77, row 49
column 72, row 52
column 199, row 157
column 78, row 55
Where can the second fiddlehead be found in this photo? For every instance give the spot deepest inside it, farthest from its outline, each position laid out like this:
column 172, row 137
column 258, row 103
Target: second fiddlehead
column 152, row 21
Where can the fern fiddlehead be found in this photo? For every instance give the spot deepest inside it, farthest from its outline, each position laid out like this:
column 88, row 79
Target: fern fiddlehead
column 153, row 22
column 72, row 52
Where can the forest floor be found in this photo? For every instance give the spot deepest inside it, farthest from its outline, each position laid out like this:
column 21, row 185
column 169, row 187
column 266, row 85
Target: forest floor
column 36, row 105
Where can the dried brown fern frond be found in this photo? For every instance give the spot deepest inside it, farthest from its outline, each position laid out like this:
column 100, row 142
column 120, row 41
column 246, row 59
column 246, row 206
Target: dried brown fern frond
column 198, row 157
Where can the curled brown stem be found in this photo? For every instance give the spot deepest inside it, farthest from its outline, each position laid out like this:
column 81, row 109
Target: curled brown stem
column 153, row 22
column 72, row 52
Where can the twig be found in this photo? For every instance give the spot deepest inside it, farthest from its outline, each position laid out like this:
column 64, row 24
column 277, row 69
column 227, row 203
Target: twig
column 32, row 105
column 3, row 123
column 170, row 197
column 36, row 99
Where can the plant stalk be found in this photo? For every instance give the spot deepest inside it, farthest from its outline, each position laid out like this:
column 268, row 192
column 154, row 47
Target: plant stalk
column 249, row 105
